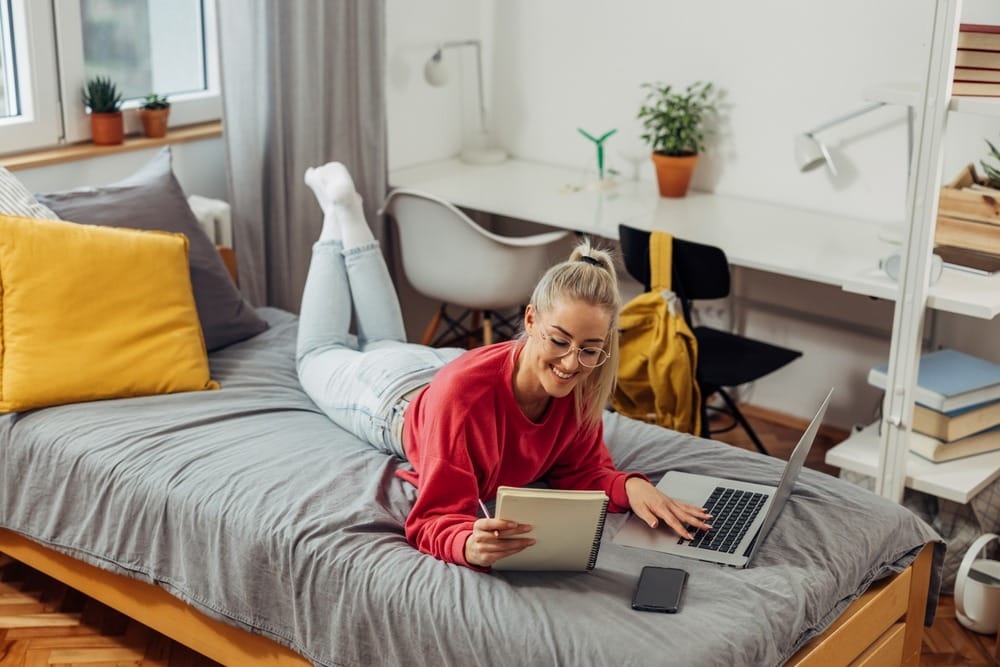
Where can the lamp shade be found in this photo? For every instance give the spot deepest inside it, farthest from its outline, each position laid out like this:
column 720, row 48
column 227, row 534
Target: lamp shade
column 811, row 153
column 436, row 72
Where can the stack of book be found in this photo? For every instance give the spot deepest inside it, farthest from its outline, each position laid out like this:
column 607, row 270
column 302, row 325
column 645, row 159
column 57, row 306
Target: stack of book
column 977, row 62
column 957, row 411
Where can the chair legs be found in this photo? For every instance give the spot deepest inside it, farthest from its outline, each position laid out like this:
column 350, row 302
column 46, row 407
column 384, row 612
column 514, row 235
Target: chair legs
column 738, row 415
column 469, row 329
column 432, row 326
column 487, row 328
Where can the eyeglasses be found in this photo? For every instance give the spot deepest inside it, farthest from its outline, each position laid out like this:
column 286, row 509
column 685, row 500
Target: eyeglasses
column 591, row 357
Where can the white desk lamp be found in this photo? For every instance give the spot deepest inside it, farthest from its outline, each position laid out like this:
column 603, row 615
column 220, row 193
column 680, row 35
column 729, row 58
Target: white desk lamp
column 811, row 152
column 480, row 150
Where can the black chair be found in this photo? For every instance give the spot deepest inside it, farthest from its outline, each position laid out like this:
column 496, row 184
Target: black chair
column 724, row 359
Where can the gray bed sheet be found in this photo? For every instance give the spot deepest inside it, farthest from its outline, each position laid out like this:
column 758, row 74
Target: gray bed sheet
column 250, row 505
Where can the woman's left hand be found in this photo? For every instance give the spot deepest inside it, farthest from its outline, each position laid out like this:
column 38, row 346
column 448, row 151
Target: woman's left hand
column 650, row 505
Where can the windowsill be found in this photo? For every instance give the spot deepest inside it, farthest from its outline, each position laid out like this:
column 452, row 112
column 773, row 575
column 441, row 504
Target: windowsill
column 86, row 151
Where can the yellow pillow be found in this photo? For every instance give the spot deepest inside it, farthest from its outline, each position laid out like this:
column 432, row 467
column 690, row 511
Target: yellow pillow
column 90, row 313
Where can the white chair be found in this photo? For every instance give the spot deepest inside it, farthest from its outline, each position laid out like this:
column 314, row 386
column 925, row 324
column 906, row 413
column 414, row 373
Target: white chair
column 448, row 257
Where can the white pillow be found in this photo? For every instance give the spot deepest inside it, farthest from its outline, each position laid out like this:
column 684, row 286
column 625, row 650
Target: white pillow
column 15, row 199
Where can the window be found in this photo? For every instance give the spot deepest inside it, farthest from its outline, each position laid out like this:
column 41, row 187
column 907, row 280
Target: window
column 29, row 97
column 162, row 46
column 120, row 41
column 9, row 104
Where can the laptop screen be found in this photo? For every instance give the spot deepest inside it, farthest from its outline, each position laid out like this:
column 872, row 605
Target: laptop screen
column 795, row 463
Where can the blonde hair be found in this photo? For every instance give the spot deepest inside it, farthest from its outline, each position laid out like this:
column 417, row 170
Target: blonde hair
column 588, row 275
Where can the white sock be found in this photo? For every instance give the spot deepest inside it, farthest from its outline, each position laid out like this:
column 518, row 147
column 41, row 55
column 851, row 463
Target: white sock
column 344, row 216
column 353, row 227
column 331, row 227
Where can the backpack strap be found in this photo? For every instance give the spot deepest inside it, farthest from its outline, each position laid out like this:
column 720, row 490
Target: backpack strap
column 661, row 250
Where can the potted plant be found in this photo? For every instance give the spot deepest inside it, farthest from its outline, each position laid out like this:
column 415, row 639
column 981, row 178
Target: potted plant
column 673, row 124
column 105, row 102
column 153, row 113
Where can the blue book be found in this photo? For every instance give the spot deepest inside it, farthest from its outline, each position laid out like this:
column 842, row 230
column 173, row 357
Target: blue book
column 949, row 380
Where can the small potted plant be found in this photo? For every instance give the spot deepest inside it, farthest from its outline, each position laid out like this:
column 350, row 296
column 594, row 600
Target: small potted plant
column 153, row 113
column 101, row 95
column 674, row 127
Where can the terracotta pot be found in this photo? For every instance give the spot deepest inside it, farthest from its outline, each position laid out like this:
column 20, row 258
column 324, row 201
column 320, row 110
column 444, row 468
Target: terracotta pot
column 154, row 121
column 673, row 174
column 107, row 128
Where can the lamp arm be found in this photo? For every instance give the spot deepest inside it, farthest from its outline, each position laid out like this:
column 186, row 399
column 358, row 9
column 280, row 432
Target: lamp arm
column 848, row 116
column 479, row 74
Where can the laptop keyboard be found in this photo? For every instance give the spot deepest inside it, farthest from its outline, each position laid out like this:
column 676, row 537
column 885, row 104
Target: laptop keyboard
column 733, row 511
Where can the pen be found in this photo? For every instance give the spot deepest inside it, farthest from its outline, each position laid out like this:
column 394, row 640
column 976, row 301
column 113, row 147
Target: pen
column 486, row 513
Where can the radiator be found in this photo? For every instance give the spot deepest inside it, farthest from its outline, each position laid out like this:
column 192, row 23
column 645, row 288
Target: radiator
column 215, row 217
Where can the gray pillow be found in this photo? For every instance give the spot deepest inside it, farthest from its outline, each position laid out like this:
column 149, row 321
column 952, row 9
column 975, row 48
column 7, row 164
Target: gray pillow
column 152, row 198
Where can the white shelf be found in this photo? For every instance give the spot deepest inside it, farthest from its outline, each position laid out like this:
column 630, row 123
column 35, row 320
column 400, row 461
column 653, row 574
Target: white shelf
column 908, row 94
column 957, row 291
column 959, row 480
column 982, row 106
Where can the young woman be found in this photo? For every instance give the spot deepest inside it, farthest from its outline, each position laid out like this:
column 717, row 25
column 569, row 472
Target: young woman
column 510, row 414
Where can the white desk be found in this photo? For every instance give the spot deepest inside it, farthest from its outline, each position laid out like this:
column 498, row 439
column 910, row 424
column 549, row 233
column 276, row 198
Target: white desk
column 820, row 247
column 779, row 239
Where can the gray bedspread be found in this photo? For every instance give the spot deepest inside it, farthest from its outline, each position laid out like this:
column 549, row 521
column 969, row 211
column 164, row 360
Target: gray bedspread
column 249, row 504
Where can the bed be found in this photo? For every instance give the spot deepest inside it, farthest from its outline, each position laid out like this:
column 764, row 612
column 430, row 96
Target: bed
column 244, row 524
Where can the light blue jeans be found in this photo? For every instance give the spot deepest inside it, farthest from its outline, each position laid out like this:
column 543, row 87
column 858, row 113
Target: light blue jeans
column 360, row 381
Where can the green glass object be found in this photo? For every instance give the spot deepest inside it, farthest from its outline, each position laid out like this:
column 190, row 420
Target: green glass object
column 599, row 143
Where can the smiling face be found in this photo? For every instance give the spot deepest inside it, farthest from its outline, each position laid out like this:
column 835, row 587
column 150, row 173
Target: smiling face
column 541, row 372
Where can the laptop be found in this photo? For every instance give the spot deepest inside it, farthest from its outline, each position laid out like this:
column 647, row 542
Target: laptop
column 743, row 512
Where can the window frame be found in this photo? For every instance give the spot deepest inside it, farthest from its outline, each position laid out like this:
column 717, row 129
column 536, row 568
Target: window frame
column 39, row 121
column 48, row 50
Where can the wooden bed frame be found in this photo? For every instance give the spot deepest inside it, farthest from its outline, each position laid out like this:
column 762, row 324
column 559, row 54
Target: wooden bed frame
column 882, row 627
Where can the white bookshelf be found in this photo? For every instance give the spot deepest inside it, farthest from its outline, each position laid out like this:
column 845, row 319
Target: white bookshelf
column 959, row 480
column 883, row 453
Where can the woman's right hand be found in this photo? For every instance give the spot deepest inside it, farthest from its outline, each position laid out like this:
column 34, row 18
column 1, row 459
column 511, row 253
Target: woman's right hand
column 492, row 539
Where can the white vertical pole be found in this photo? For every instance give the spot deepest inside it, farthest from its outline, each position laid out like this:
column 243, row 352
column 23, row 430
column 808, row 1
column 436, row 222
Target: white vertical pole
column 921, row 214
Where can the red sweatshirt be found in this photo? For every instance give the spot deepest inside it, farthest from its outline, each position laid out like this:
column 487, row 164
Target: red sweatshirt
column 465, row 435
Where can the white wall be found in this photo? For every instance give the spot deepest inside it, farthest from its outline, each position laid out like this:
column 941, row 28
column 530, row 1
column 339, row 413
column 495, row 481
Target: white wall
column 785, row 67
column 426, row 123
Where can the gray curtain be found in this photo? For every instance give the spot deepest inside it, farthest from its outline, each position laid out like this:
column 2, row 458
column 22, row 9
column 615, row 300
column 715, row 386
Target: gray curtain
column 302, row 84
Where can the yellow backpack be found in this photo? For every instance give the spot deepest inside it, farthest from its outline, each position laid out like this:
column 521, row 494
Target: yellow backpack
column 658, row 353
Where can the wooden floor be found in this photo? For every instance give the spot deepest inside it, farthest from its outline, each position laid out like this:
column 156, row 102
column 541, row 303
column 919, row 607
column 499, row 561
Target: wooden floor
column 43, row 623
column 946, row 642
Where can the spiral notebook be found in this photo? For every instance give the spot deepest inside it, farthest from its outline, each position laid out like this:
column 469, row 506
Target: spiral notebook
column 567, row 527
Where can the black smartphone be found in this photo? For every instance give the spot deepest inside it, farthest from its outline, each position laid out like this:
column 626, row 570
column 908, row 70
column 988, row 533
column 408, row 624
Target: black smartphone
column 659, row 589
